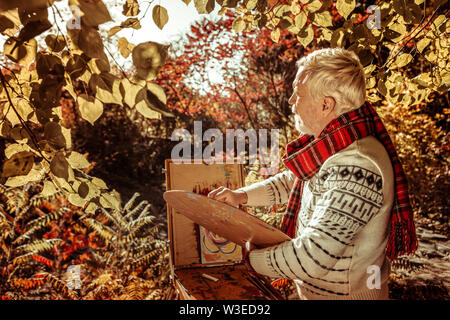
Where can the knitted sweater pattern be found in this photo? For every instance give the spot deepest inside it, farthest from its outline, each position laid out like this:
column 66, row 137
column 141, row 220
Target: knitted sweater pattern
column 342, row 226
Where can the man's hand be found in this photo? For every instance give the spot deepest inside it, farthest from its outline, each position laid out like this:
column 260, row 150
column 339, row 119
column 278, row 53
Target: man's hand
column 234, row 198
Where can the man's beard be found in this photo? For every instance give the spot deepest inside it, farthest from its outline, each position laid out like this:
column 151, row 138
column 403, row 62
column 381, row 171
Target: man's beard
column 300, row 126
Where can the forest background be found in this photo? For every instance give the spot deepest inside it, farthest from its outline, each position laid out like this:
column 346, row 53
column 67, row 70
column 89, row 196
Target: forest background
column 87, row 118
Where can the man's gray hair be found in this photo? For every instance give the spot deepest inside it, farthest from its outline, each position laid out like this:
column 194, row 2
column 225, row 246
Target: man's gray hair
column 334, row 72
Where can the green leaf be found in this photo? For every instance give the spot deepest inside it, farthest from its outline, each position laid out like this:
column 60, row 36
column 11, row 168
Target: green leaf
column 160, row 16
column 345, row 7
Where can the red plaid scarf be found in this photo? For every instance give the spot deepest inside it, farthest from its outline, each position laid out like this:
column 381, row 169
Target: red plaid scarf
column 305, row 156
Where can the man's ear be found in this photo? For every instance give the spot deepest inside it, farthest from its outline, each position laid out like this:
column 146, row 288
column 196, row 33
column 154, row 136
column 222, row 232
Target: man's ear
column 329, row 104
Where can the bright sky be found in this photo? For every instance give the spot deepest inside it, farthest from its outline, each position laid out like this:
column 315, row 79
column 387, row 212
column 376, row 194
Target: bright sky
column 180, row 19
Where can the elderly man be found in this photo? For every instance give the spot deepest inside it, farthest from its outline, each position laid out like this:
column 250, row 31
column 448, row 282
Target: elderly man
column 348, row 208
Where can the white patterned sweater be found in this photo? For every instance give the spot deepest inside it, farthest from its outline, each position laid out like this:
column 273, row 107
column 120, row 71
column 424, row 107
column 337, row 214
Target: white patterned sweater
column 342, row 226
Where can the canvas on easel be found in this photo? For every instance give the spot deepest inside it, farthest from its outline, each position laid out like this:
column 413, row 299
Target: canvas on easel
column 201, row 179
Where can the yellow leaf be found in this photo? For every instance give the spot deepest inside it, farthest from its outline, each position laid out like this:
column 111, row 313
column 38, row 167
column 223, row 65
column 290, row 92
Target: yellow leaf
column 131, row 8
column 90, row 108
column 323, row 19
column 160, row 16
column 143, row 109
column 238, row 24
column 76, row 200
column 314, row 5
column 49, row 189
column 275, row 35
column 306, row 36
column 300, row 20
column 402, row 60
column 125, row 47
column 23, row 53
column 111, row 201
column 345, row 7
column 78, row 161
column 99, row 183
column 204, row 6
column 17, row 181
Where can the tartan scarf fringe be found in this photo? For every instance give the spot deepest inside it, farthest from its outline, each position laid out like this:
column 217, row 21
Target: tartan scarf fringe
column 305, row 155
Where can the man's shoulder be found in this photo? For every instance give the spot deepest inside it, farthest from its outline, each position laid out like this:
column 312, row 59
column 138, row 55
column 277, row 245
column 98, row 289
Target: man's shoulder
column 368, row 153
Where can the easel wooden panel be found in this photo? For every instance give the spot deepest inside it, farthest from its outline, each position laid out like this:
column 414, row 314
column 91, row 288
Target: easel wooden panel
column 233, row 279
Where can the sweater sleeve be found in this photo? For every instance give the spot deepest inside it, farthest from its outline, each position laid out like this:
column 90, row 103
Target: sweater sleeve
column 346, row 198
column 274, row 190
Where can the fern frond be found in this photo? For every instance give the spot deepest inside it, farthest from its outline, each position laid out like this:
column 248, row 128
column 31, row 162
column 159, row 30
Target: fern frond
column 145, row 211
column 137, row 210
column 135, row 225
column 145, row 247
column 23, row 258
column 130, row 202
column 60, row 286
column 15, row 199
column 135, row 290
column 36, row 200
column 6, row 228
column 146, row 259
column 27, row 283
column 39, row 246
column 45, row 220
column 115, row 218
column 104, row 231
